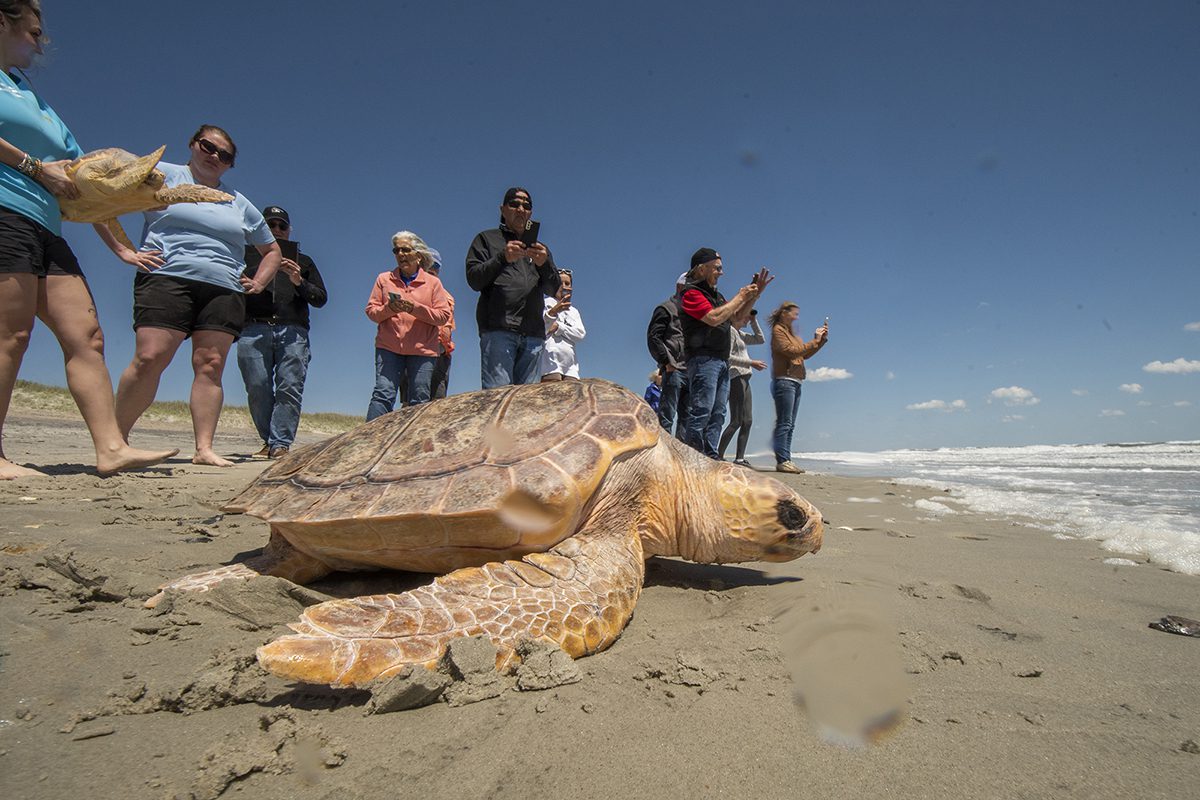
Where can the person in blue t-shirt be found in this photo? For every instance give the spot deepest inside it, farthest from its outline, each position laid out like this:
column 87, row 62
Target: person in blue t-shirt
column 40, row 277
column 190, row 284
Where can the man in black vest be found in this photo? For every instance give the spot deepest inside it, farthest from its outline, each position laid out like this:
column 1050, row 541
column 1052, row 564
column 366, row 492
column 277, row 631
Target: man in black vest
column 706, row 333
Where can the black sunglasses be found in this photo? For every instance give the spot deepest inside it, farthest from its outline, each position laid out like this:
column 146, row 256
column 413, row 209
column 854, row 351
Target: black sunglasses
column 278, row 223
column 519, row 204
column 224, row 156
column 403, row 249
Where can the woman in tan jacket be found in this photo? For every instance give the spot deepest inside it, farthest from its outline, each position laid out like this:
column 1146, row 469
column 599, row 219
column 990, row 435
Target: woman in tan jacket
column 787, row 370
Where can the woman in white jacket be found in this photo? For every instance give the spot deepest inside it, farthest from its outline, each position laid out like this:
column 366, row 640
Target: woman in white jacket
column 564, row 329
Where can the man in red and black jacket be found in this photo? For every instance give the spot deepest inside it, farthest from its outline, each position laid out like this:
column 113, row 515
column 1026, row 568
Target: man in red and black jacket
column 705, row 320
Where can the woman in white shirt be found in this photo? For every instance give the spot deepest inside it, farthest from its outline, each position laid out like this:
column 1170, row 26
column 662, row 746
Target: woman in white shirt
column 564, row 329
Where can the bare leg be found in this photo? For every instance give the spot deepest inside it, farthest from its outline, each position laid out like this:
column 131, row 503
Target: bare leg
column 65, row 305
column 209, row 352
column 153, row 350
column 18, row 308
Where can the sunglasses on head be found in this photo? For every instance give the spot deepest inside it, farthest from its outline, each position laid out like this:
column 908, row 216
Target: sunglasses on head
column 224, row 156
column 518, row 204
column 403, row 250
column 564, row 272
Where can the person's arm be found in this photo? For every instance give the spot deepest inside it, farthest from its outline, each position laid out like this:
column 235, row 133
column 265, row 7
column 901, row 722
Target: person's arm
column 484, row 266
column 436, row 312
column 272, row 258
column 378, row 309
column 52, row 175
column 144, row 260
column 656, row 336
column 570, row 326
column 696, row 305
column 756, row 337
column 311, row 286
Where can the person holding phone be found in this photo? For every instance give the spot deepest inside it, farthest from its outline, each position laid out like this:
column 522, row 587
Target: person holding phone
column 409, row 305
column 788, row 353
column 40, row 278
column 512, row 277
column 564, row 330
column 190, row 286
column 273, row 351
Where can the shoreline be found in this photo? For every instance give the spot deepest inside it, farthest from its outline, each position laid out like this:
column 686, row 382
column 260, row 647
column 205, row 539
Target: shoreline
column 1028, row 664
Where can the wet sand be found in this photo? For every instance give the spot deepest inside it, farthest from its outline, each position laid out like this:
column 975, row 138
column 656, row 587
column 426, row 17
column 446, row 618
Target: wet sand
column 1025, row 663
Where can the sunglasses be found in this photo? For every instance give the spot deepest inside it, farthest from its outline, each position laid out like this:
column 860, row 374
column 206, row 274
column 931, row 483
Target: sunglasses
column 224, row 156
column 278, row 224
column 564, row 272
column 518, row 204
column 403, row 250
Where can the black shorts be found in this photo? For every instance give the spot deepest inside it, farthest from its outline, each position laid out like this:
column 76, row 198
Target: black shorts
column 164, row 301
column 27, row 247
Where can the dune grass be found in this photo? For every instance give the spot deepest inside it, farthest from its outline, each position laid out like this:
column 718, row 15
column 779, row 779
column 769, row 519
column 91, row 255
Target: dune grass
column 40, row 398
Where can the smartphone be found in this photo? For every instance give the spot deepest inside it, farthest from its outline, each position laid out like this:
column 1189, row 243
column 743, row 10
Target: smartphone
column 392, row 296
column 530, row 237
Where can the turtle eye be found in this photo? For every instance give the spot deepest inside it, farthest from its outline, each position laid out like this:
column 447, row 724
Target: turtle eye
column 791, row 516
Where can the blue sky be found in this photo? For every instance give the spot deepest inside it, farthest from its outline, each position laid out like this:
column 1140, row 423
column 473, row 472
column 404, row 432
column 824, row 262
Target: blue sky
column 996, row 204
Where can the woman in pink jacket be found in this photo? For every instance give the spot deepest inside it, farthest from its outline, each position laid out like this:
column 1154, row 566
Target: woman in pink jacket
column 409, row 304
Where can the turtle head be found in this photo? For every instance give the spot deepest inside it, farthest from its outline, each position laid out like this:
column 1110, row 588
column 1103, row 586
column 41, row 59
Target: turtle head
column 764, row 519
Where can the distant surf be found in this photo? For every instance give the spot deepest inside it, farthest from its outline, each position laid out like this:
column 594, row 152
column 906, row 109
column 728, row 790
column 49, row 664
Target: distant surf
column 1139, row 498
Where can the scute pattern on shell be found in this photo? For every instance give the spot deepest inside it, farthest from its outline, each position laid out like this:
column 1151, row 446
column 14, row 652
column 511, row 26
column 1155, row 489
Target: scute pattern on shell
column 499, row 472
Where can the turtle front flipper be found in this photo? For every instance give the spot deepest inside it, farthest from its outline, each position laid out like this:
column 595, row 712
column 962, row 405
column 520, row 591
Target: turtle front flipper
column 579, row 595
column 279, row 559
column 118, row 232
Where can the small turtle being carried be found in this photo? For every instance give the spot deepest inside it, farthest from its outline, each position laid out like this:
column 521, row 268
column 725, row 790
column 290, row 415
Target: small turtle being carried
column 541, row 502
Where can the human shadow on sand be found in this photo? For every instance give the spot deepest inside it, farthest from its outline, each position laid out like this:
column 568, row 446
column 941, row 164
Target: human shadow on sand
column 64, row 469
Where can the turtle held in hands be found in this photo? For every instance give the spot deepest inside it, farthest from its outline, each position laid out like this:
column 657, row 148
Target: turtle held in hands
column 540, row 502
column 113, row 182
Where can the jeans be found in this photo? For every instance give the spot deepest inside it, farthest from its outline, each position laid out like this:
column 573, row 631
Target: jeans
column 508, row 357
column 441, row 376
column 787, row 402
column 273, row 360
column 708, row 382
column 741, row 416
column 390, row 369
column 673, row 405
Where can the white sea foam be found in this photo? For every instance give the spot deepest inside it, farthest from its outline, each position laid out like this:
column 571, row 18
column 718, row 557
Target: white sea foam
column 1137, row 499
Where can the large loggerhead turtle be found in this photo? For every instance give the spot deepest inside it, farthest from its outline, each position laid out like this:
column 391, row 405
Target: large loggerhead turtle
column 113, row 182
column 542, row 502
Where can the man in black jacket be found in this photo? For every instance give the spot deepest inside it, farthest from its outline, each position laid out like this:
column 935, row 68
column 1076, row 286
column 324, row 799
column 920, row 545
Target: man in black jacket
column 273, row 351
column 664, row 338
column 512, row 280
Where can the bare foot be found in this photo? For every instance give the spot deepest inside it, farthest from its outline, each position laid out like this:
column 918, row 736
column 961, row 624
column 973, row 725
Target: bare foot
column 211, row 459
column 131, row 458
column 9, row 470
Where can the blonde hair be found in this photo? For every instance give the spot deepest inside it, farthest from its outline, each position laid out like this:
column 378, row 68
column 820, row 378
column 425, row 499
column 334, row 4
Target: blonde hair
column 418, row 244
column 777, row 313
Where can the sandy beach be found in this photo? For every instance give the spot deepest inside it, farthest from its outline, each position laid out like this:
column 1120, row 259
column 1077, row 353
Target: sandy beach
column 1016, row 665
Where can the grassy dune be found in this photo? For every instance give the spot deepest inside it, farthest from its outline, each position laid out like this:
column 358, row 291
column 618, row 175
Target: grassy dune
column 39, row 398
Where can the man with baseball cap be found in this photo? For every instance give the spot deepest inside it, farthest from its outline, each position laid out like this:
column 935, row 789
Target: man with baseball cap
column 705, row 320
column 512, row 279
column 664, row 339
column 273, row 351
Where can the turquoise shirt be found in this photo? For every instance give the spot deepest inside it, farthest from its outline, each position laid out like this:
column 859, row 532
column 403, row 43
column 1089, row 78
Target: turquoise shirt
column 30, row 125
column 204, row 241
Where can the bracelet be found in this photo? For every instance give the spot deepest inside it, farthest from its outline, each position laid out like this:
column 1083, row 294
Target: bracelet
column 30, row 166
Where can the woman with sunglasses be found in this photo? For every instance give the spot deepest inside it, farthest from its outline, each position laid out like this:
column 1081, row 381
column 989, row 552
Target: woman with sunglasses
column 409, row 304
column 190, row 284
column 40, row 277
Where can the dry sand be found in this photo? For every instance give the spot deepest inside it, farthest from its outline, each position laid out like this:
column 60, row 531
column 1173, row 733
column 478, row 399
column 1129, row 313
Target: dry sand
column 1027, row 664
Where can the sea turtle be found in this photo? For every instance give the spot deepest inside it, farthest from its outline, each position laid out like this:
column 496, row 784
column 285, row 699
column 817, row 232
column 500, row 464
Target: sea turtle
column 542, row 502
column 113, row 182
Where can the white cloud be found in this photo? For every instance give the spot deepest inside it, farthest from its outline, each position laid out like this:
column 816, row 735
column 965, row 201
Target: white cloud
column 1079, row 392
column 938, row 405
column 1144, row 403
column 1012, row 418
column 1015, row 396
column 891, row 376
column 1112, row 412
column 1131, row 388
column 1177, row 367
column 1192, row 326
column 828, row 374
column 1182, row 403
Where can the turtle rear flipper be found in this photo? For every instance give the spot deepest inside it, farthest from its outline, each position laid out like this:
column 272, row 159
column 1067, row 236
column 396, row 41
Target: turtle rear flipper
column 279, row 559
column 579, row 595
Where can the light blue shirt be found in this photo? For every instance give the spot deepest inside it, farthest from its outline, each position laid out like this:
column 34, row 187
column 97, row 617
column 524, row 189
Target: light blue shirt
column 204, row 241
column 30, row 125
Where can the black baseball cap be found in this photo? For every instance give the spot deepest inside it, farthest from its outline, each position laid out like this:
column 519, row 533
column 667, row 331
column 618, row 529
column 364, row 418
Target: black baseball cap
column 703, row 256
column 275, row 212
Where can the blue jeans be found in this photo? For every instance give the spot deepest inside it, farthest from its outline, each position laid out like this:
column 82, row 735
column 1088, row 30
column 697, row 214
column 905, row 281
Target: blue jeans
column 787, row 403
column 392, row 368
column 507, row 357
column 274, row 360
column 673, row 405
column 708, row 383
